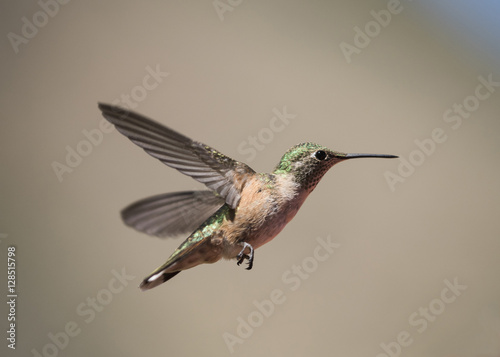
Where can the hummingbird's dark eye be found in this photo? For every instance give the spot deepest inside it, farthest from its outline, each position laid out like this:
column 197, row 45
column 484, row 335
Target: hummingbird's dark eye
column 320, row 155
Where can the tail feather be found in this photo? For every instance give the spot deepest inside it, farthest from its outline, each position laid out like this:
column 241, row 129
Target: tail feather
column 156, row 279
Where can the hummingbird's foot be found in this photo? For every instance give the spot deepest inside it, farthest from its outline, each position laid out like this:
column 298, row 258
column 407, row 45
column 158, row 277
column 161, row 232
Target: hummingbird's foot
column 242, row 256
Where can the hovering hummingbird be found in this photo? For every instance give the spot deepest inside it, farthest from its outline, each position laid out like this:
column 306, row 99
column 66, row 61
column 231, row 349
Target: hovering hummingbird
column 242, row 209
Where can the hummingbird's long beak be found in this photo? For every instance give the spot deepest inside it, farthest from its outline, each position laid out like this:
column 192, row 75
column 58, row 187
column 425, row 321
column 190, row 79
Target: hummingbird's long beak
column 355, row 156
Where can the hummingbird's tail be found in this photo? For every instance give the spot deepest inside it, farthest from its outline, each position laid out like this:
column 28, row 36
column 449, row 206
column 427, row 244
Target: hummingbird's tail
column 156, row 279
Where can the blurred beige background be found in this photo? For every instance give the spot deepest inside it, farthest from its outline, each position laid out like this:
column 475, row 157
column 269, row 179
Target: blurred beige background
column 399, row 244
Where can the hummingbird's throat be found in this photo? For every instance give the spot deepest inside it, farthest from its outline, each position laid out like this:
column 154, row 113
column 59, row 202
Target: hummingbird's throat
column 308, row 176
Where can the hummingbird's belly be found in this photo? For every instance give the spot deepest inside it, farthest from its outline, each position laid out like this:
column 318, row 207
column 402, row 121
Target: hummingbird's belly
column 270, row 229
column 259, row 229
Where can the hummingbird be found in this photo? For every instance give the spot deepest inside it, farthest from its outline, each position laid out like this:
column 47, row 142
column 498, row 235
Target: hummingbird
column 241, row 210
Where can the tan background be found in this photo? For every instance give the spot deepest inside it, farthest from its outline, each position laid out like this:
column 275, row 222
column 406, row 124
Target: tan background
column 226, row 77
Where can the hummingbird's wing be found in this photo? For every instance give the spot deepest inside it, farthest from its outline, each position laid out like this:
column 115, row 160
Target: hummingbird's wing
column 218, row 172
column 172, row 214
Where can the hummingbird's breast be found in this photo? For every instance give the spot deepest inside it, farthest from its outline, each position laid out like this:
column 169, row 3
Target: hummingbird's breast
column 268, row 202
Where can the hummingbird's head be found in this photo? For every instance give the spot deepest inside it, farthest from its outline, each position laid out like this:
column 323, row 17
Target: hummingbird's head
column 308, row 162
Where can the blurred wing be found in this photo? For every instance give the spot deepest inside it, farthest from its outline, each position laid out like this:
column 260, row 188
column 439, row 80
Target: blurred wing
column 218, row 172
column 172, row 214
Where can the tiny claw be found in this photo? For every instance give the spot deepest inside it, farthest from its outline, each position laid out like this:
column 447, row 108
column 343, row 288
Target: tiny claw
column 242, row 256
column 250, row 263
